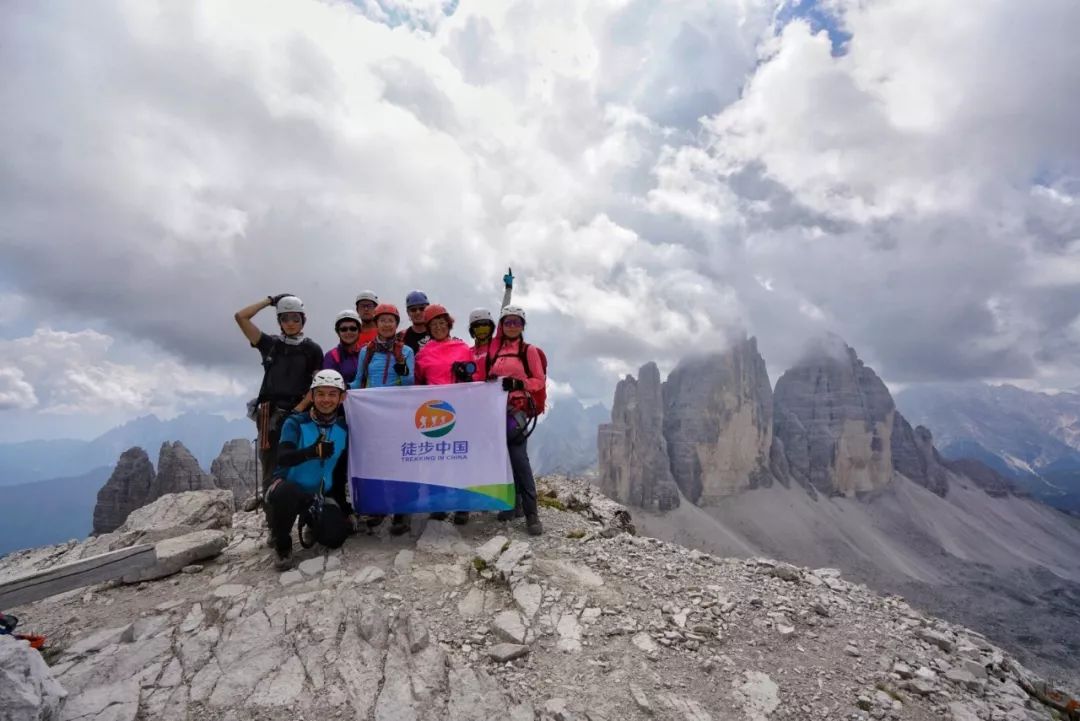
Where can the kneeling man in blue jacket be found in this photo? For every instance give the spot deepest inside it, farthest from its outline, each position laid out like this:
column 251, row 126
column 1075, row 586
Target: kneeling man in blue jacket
column 310, row 478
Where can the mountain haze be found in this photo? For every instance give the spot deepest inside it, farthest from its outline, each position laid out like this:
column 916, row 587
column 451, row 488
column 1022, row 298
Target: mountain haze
column 202, row 433
column 1032, row 438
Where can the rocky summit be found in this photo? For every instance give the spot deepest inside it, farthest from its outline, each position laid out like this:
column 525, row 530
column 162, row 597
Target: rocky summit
column 718, row 423
column 588, row 622
column 835, row 417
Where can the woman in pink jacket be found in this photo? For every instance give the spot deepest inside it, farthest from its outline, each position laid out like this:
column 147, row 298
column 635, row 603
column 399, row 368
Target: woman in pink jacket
column 507, row 361
column 444, row 360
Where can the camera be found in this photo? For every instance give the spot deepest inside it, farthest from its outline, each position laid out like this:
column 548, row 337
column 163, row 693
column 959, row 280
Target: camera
column 463, row 371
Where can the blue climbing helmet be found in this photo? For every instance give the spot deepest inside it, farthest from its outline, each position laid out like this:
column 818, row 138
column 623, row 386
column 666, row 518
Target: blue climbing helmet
column 416, row 297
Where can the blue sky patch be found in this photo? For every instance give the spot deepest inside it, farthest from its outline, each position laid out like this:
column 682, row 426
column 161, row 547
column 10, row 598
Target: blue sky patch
column 820, row 18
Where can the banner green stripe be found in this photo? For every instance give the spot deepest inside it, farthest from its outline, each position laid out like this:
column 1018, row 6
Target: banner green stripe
column 500, row 491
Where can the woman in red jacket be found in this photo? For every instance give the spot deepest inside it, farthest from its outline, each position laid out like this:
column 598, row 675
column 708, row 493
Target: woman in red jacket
column 522, row 375
column 444, row 360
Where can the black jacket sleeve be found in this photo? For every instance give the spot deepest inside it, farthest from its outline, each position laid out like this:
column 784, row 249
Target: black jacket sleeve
column 341, row 477
column 289, row 455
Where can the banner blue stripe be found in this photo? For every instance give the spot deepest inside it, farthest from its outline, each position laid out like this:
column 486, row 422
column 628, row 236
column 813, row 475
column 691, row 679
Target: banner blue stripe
column 375, row 495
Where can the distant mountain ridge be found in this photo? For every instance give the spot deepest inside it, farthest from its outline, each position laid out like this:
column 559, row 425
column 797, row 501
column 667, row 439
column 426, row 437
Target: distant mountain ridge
column 1029, row 437
column 202, row 433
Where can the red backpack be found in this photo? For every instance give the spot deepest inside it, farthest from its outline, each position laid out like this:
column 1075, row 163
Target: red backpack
column 539, row 398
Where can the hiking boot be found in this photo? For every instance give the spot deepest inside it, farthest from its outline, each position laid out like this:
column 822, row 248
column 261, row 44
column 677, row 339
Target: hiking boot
column 283, row 562
column 461, row 518
column 375, row 521
column 252, row 503
column 399, row 524
column 270, row 539
column 437, row 516
column 504, row 516
column 533, row 524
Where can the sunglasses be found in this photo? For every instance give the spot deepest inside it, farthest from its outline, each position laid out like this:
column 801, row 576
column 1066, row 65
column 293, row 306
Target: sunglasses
column 513, row 323
column 416, row 308
column 367, row 305
column 348, row 329
column 290, row 318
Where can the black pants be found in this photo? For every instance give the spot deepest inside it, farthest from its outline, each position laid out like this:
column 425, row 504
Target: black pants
column 524, row 484
column 288, row 501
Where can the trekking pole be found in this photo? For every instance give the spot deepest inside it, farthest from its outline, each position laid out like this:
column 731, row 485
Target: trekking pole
column 255, row 477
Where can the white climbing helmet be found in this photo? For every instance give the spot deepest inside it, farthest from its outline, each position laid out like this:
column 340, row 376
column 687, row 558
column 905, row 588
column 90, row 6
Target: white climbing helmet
column 512, row 310
column 367, row 295
column 346, row 315
column 328, row 379
column 479, row 315
column 290, row 304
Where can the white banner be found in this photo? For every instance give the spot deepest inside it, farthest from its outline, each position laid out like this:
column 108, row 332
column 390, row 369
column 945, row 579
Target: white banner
column 416, row 449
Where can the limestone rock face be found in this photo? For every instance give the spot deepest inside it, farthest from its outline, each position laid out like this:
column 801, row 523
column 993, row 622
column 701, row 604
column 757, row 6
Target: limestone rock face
column 718, row 423
column 28, row 689
column 633, row 455
column 128, row 488
column 835, row 418
column 179, row 471
column 190, row 511
column 235, row 469
column 914, row 455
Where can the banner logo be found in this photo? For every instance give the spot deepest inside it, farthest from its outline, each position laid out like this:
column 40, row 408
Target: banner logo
column 435, row 418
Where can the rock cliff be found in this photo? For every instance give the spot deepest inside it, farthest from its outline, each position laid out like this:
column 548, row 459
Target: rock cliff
column 235, row 469
column 915, row 456
column 835, row 418
column 179, row 471
column 586, row 623
column 129, row 487
column 718, row 423
column 134, row 483
column 633, row 455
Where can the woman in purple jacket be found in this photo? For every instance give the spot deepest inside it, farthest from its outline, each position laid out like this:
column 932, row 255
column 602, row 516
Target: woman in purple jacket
column 344, row 357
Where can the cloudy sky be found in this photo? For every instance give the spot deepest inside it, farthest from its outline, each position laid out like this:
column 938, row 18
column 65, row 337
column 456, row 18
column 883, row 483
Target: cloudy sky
column 660, row 175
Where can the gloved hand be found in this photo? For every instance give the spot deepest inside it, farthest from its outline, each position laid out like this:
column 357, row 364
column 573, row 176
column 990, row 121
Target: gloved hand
column 402, row 368
column 508, row 279
column 275, row 299
column 321, row 449
column 513, row 384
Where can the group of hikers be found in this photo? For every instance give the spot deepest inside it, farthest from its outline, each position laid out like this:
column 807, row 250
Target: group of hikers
column 299, row 411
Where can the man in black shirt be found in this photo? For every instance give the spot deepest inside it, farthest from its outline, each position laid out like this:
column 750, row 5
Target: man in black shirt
column 289, row 362
column 416, row 335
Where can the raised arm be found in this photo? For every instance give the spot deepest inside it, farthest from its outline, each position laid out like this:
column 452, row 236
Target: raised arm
column 508, row 285
column 243, row 319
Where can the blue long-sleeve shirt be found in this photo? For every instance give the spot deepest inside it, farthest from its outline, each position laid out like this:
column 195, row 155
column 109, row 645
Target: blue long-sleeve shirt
column 380, row 371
